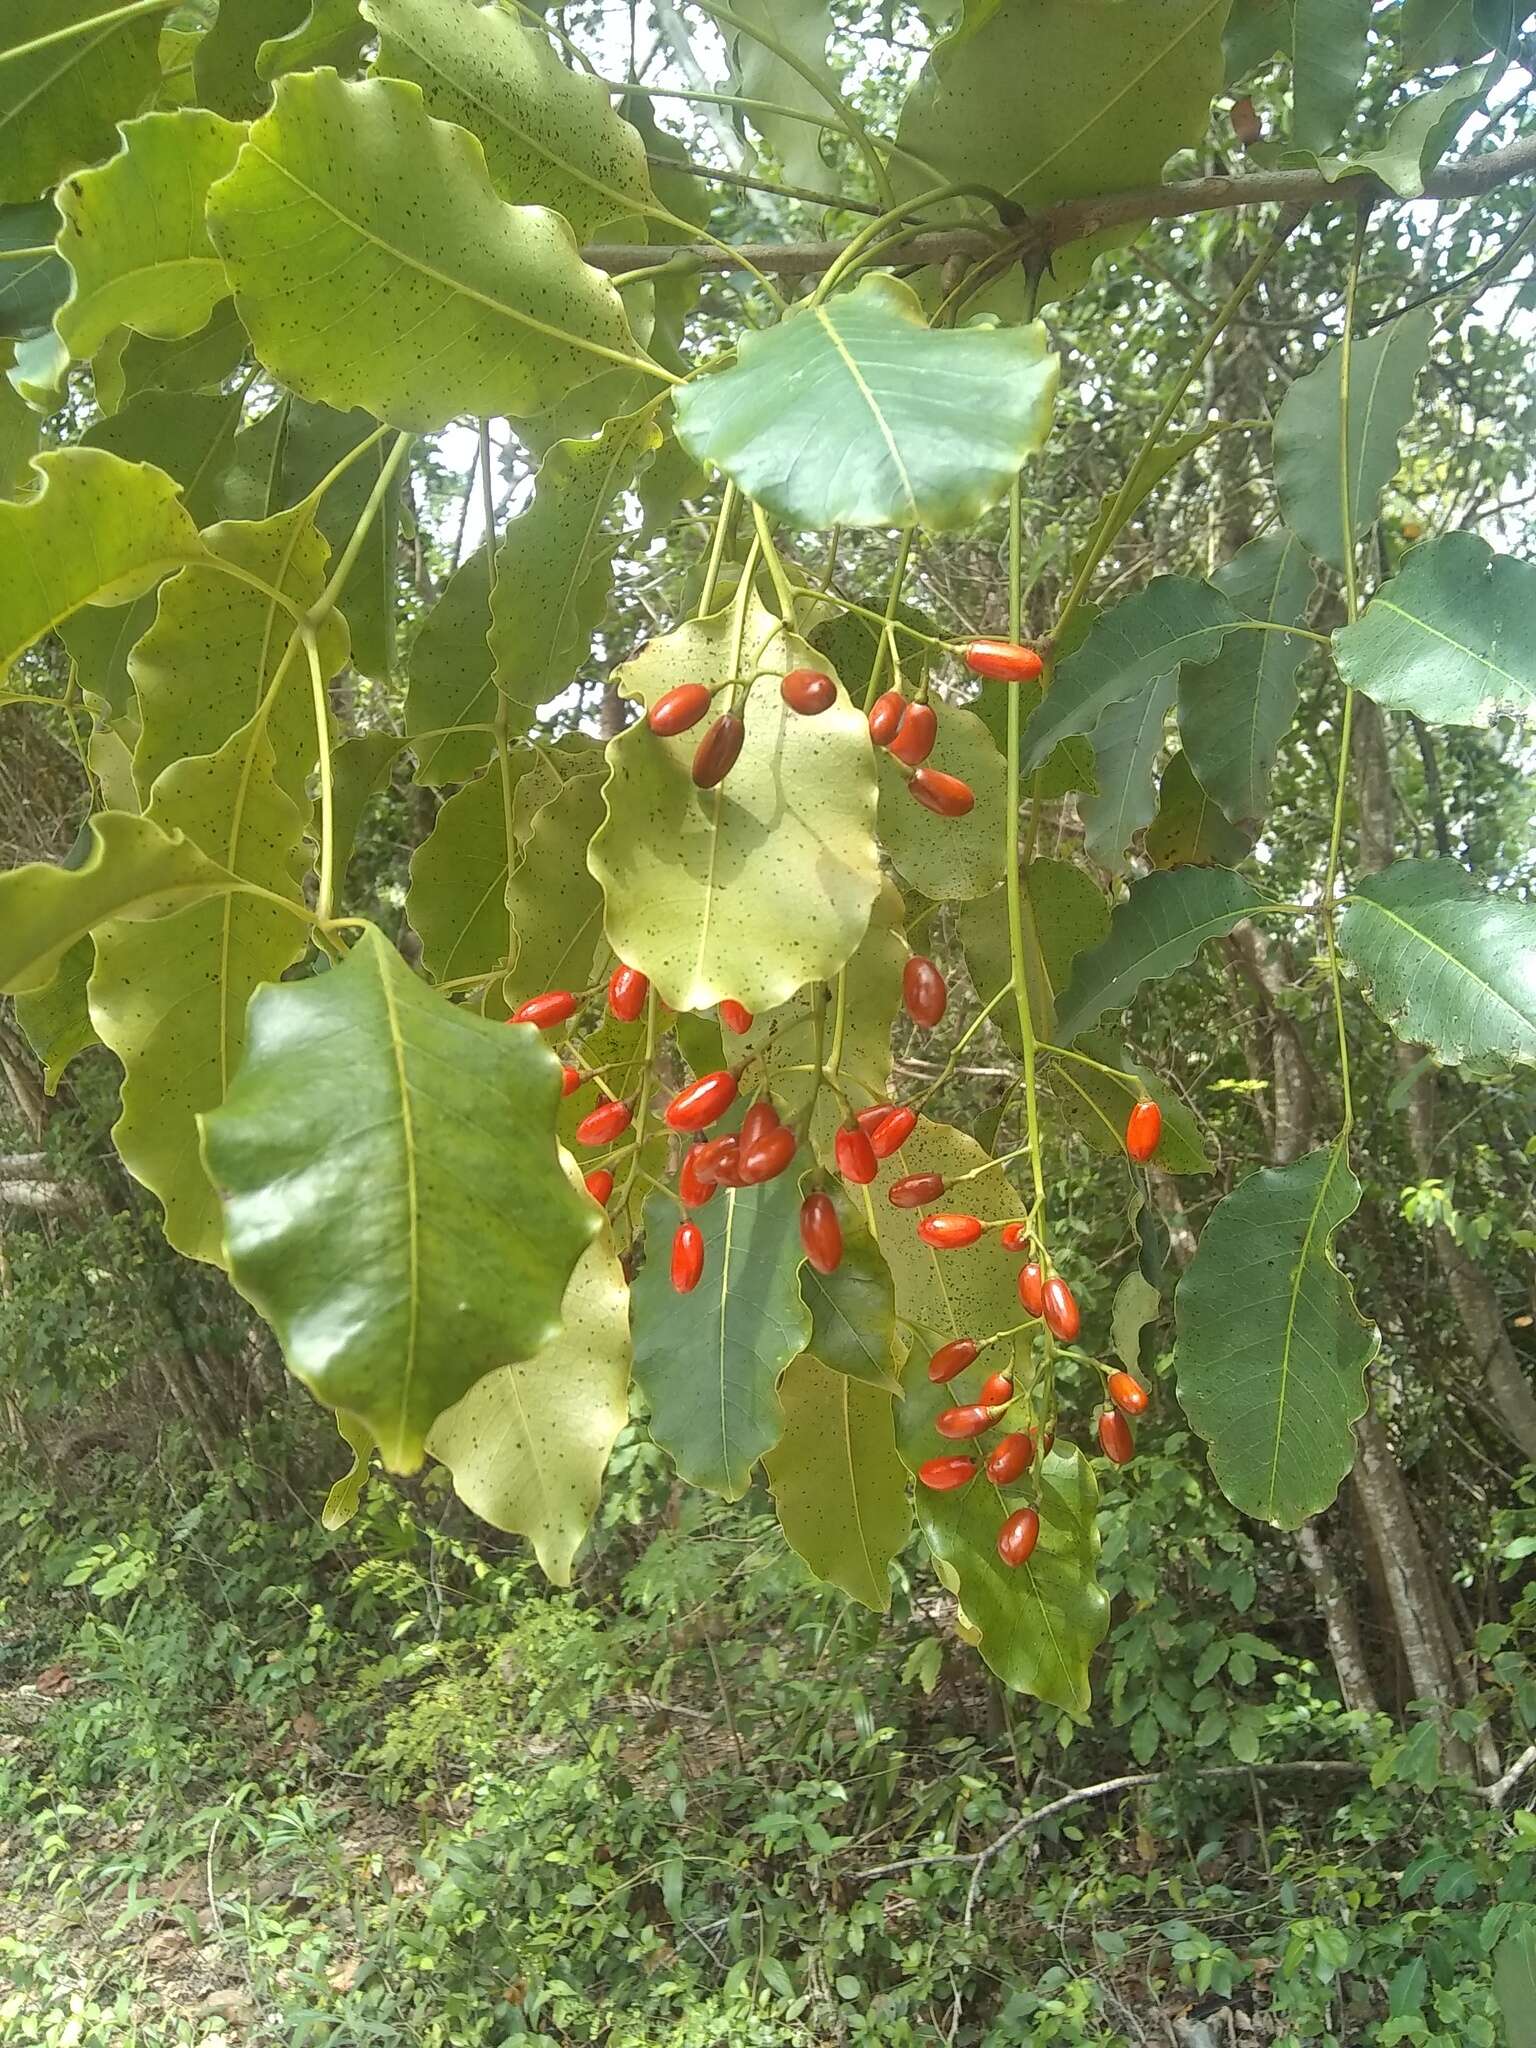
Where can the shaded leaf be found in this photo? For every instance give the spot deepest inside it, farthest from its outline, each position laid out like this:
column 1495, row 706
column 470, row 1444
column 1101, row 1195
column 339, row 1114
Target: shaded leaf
column 802, row 26
column 1419, row 134
column 553, row 898
column 457, row 899
column 1163, row 922
column 58, row 106
column 362, row 765
column 224, row 58
column 1189, row 830
column 315, row 439
column 203, row 362
column 33, row 276
column 838, row 1485
column 1126, row 743
column 1329, row 41
column 1514, row 1986
column 1097, row 1105
column 330, row 32
column 952, row 859
column 853, row 1310
column 1064, row 912
column 1137, row 1306
column 451, row 686
column 56, row 1020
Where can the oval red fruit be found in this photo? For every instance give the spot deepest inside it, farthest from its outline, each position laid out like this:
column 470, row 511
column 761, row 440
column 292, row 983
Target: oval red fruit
column 687, row 1257
column 972, row 1420
column 678, row 709
column 943, row 1475
column 924, row 992
column 945, row 795
column 996, row 1390
column 735, row 1017
column 1143, row 1131
column 808, row 691
column 1032, row 1288
column 766, row 1157
column 1014, row 1237
column 1015, row 1454
column 555, row 1006
column 1128, row 1395
column 915, row 1190
column 1003, row 661
column 821, row 1234
column 627, row 991
column 1115, row 1439
column 722, row 1161
column 570, row 1080
column 599, row 1185
column 948, row 1231
column 1018, row 1536
column 916, row 734
column 759, row 1120
column 1059, row 1307
column 717, row 753
column 695, row 1185
column 701, row 1102
column 869, row 1120
column 602, row 1125
column 855, row 1156
column 885, row 717
column 951, row 1359
column 892, row 1131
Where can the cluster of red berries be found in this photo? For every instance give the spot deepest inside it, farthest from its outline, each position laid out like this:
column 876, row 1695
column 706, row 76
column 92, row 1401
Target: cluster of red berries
column 678, row 710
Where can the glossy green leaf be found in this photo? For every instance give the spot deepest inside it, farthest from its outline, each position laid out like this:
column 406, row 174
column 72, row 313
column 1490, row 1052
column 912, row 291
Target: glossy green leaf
column 856, row 413
column 224, row 61
column 451, row 686
column 754, row 888
column 838, row 1484
column 1126, row 741
column 458, row 1261
column 550, row 134
column 1272, row 1351
column 853, row 1310
column 1308, row 442
column 952, row 859
column 1163, row 922
column 709, row 1362
column 33, row 276
column 1189, row 830
column 56, row 1020
column 1329, row 40
column 1445, row 963
column 315, row 439
column 1451, row 638
column 1097, row 1105
column 1236, row 708
column 58, row 106
column 1129, row 649
column 1063, row 913
column 439, row 298
column 345, row 1496
column 553, row 898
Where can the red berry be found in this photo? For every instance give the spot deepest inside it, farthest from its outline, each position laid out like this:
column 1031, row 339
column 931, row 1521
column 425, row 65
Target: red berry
column 570, row 1080
column 949, row 1232
column 1032, row 1288
column 1059, row 1307
column 1013, row 1455
column 766, row 1157
column 916, row 734
column 759, row 1120
column 820, row 1233
column 951, row 1359
column 695, row 1187
column 855, row 1156
column 627, row 991
column 1018, row 1536
column 945, row 795
column 1015, row 1237
column 735, row 1017
column 678, row 709
column 1128, row 1395
column 943, row 1475
column 687, row 1258
column 915, row 1190
column 996, row 1390
column 1143, row 1130
column 924, row 992
column 716, row 754
column 1115, row 1439
column 869, row 1120
column 599, row 1184
column 963, row 1422
column 602, row 1125
column 885, row 716
column 1003, row 661
column 701, row 1102
column 555, row 1006
column 721, row 1161
column 808, row 691
column 892, row 1131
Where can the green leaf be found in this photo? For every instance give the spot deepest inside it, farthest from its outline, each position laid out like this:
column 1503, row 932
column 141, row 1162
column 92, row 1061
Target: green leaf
column 1096, row 1105
column 32, row 284
column 438, row 298
column 1451, row 638
column 709, row 891
column 1128, row 650
column 100, row 531
column 1272, row 1351
column 1235, row 709
column 203, row 362
column 362, row 765
column 550, row 134
column 1189, row 830
column 553, row 898
column 1163, row 922
column 853, row 1311
column 856, row 413
column 528, row 1444
column 1146, row 473
column 391, row 1308
column 330, row 32
column 1064, row 912
column 1308, row 441
column 838, row 1485
column 1445, row 963
column 451, row 686
column 1126, row 743
column 315, row 439
column 949, row 859
column 1514, row 1986
column 1436, row 32
column 1256, row 31
column 555, row 562
column 801, row 26
column 457, row 899
column 58, row 106
column 20, row 432
column 1419, row 134
column 134, row 235
column 56, row 1020
column 709, row 1362
column 1329, row 40
column 1137, row 1306
column 224, row 61
column 341, row 1503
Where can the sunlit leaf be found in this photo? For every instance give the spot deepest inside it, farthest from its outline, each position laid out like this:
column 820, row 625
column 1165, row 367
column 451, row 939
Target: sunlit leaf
column 345, row 1496
column 838, row 1484
column 1161, row 925
column 1419, row 134
column 951, row 859
column 58, row 106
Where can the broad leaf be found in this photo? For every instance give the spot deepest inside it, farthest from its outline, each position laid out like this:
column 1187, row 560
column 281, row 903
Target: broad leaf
column 20, row 432
column 1384, row 369
column 33, row 277
column 1436, row 32
column 1445, row 963
column 450, row 678
column 457, row 899
column 224, row 59
column 1064, row 912
column 1159, row 928
column 203, row 362
column 1256, row 31
column 362, row 765
column 950, row 859
column 439, row 299
column 1452, row 637
column 1514, row 1986
column 1419, row 134
column 1097, row 1105
column 856, row 413
column 1272, row 1351
column 457, row 1261
column 1329, row 43
column 764, row 883
column 554, row 902
column 1137, row 1307
column 56, row 1020
column 1189, row 830
column 838, row 1484
column 330, row 32
column 58, row 106
column 1126, row 743
column 315, row 439
column 853, row 1310
column 802, row 27
column 709, row 1362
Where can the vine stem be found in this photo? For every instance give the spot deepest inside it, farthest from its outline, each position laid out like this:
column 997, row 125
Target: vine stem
column 1011, row 876
column 72, row 29
column 325, row 895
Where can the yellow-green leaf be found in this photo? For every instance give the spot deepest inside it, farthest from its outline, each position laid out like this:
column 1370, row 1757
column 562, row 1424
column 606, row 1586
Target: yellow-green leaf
column 838, row 1484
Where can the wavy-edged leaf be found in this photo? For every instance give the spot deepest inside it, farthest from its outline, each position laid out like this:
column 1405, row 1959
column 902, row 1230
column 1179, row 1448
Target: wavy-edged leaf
column 58, row 106
column 950, row 859
column 1161, row 925
column 1272, row 1351
column 709, row 1362
column 457, row 899
column 1190, row 830
column 1308, row 442
column 754, row 888
column 856, row 413
column 1126, row 742
column 838, row 1484
column 450, row 685
column 20, row 431
column 346, row 1493
column 853, row 1311
column 553, row 898
column 801, row 26
column 438, row 298
column 1064, row 913
column 1137, row 1307
column 457, row 1261
column 203, row 362
column 1451, row 638
column 1419, row 134
column 33, row 277
column 1097, row 1105
column 315, row 439
column 1329, row 41
column 224, row 60
column 330, row 32
column 1445, row 963
column 56, row 1019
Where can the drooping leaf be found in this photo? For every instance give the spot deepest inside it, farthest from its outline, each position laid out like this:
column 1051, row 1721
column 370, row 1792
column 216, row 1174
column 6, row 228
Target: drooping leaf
column 1137, row 1306
column 1329, row 41
column 853, row 1310
column 1451, row 638
column 58, row 106
column 766, row 882
column 1163, row 922
column 856, row 413
column 1189, row 830
column 33, row 276
column 457, row 899
column 838, row 1484
column 314, row 440
column 1126, row 740
column 1436, row 32
column 1418, row 135
column 802, row 26
column 553, row 897
column 56, row 1020
column 709, row 1362
column 1272, row 1351
column 550, row 134
column 448, row 301
column 1063, row 912
column 1097, row 1105
column 951, row 859
column 451, row 686
column 346, row 1493
column 224, row 61
column 1308, row 440
column 458, row 1260
column 1127, row 651
column 1445, row 963
column 330, row 32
